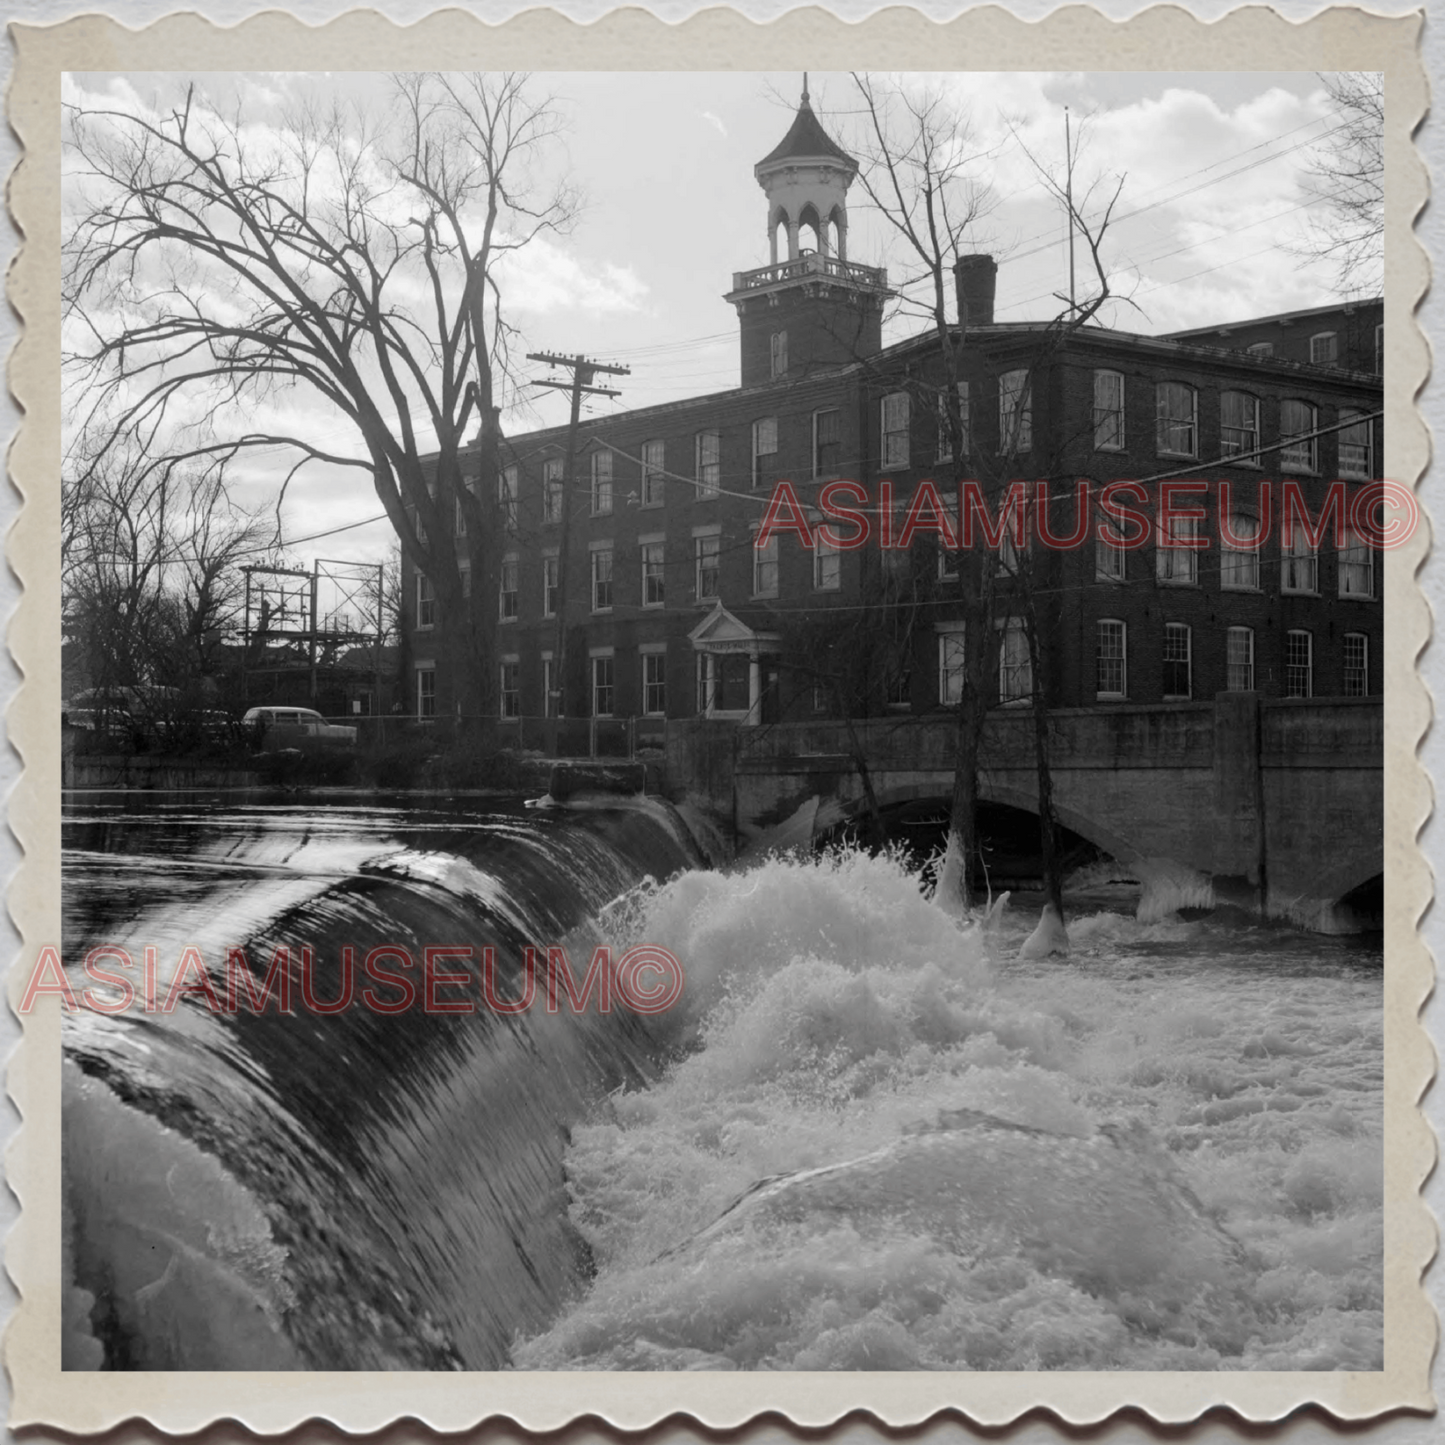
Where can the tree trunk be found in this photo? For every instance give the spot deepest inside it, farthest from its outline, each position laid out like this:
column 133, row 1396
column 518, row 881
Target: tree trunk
column 870, row 797
column 1048, row 841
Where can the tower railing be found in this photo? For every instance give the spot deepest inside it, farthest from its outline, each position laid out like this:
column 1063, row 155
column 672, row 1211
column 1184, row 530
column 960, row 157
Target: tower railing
column 811, row 263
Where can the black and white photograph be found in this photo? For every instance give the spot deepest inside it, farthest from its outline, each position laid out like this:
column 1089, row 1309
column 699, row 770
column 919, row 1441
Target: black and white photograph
column 723, row 721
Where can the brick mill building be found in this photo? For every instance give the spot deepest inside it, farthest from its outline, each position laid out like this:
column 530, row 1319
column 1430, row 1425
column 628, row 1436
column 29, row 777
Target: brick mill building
column 672, row 612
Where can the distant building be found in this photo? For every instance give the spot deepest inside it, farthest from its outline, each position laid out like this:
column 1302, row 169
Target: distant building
column 674, row 613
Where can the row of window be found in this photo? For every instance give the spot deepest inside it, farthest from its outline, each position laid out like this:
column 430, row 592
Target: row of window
column 602, row 681
column 1111, row 654
column 1177, row 435
column 1178, row 566
column 1239, row 565
column 706, row 563
column 1176, row 431
column 1325, row 348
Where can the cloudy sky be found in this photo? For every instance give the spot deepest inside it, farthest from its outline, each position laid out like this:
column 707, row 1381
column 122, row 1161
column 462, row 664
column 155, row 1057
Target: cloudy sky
column 1212, row 202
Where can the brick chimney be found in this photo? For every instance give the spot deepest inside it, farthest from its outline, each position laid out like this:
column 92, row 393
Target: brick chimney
column 975, row 276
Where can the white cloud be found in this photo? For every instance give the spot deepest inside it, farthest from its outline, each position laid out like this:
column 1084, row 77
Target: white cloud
column 543, row 277
column 716, row 121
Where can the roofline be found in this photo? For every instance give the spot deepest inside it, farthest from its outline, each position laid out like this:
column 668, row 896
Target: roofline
column 1166, row 344
column 1170, row 344
column 1221, row 328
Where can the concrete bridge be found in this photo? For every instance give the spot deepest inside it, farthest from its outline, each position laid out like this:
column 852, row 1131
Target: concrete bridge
column 1275, row 803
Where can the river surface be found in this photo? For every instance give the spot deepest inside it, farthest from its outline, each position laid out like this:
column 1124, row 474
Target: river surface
column 866, row 1137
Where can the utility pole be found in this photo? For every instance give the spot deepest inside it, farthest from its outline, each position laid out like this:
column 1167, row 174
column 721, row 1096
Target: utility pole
column 1069, row 202
column 583, row 372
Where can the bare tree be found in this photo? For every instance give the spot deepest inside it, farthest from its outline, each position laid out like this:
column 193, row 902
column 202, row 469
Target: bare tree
column 215, row 265
column 1346, row 172
column 918, row 172
column 151, row 559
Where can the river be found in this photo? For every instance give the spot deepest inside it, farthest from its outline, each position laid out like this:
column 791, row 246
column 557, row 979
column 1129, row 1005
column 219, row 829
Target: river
column 864, row 1138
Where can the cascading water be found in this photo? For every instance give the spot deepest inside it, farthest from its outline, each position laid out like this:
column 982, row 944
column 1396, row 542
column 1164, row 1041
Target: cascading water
column 354, row 1190
column 866, row 1138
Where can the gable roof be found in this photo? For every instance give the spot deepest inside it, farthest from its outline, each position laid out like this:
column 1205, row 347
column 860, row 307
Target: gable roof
column 721, row 631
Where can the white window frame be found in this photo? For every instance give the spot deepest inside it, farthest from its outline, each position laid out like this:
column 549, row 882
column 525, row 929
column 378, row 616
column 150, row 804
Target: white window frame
column 514, row 692
column 707, row 449
column 1015, row 665
column 1261, row 348
column 426, row 671
column 1244, row 635
column 1175, row 629
column 645, row 545
column 895, row 423
column 653, row 656
column 1239, row 566
column 596, row 568
column 1299, row 451
column 1363, row 669
column 1321, row 342
column 819, row 470
column 1361, row 464
column 1109, row 433
column 765, row 444
column 1238, row 450
column 601, row 463
column 713, row 534
column 827, row 565
column 1111, row 559
column 596, row 656
column 1015, row 413
column 1299, row 566
column 765, row 564
column 945, row 446
column 512, row 561
column 948, row 558
column 508, row 487
column 778, row 355
column 554, row 484
column 1294, row 684
column 547, row 710
column 550, row 592
column 1168, row 424
column 1122, row 659
column 952, row 659
column 1356, row 561
column 1177, row 566
column 426, row 603
column 654, row 468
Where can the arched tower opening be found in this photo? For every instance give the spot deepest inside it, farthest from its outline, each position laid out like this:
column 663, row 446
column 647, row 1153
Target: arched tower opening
column 811, row 235
column 780, row 235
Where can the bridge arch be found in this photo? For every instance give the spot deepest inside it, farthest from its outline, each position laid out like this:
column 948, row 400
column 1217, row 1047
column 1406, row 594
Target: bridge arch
column 1333, row 884
column 893, row 794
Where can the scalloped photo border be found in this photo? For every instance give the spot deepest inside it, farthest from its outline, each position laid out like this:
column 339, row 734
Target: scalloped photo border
column 1076, row 38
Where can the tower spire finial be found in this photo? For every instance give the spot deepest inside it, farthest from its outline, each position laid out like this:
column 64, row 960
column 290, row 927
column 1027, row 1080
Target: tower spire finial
column 805, row 87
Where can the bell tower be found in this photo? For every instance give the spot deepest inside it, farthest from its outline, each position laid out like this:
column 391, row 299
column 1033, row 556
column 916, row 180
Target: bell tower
column 809, row 308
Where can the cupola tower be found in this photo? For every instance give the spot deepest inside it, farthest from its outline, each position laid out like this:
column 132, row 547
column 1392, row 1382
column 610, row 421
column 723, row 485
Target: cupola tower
column 809, row 308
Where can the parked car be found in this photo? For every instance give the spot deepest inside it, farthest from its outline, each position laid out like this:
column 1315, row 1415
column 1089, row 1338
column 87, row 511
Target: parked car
column 137, row 713
column 295, row 727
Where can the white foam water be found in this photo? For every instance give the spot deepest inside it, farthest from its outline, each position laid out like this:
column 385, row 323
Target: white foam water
column 889, row 1145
